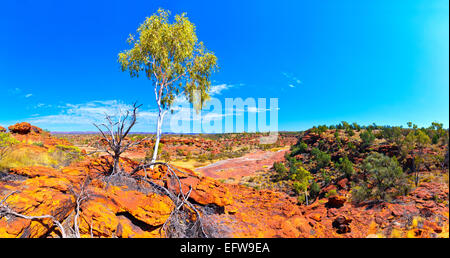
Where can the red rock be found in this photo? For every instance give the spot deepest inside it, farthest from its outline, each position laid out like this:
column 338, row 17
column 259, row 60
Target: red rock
column 328, row 188
column 342, row 224
column 2, row 129
column 332, row 212
column 336, row 201
column 317, row 217
column 24, row 128
column 343, row 183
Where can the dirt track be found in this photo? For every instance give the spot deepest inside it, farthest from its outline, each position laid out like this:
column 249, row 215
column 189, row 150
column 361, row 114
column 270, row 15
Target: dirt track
column 249, row 164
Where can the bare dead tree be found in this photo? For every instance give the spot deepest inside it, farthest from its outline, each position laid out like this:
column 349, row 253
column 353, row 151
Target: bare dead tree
column 115, row 132
column 185, row 219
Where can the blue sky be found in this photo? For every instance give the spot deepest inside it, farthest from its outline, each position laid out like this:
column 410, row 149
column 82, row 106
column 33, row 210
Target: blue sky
column 326, row 61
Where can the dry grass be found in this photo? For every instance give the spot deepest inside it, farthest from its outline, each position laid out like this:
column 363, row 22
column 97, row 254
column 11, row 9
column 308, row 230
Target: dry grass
column 25, row 156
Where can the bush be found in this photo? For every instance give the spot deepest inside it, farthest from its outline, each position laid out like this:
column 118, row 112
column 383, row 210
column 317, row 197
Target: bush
column 383, row 179
column 281, row 170
column 314, row 189
column 330, row 193
column 300, row 148
column 367, row 138
column 322, row 158
column 346, row 167
column 301, row 178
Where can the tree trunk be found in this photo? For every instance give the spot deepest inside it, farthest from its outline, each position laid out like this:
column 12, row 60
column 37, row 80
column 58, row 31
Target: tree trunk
column 306, row 197
column 158, row 135
column 115, row 165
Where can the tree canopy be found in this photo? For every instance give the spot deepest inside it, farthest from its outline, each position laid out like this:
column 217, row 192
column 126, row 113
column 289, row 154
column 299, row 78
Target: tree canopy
column 169, row 54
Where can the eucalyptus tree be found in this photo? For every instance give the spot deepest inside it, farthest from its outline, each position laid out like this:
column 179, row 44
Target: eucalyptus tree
column 168, row 52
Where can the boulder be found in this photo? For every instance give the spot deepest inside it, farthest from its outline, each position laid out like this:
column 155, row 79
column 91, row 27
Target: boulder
column 342, row 224
column 2, row 129
column 336, row 201
column 24, row 128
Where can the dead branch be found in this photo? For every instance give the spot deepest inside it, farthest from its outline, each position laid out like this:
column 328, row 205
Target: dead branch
column 180, row 199
column 80, row 197
column 114, row 133
column 5, row 210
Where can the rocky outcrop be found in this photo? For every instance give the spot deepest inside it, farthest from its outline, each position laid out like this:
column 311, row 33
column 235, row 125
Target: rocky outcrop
column 24, row 128
column 2, row 129
column 336, row 201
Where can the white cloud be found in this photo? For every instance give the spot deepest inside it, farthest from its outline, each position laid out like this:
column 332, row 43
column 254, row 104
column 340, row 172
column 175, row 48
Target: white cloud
column 217, row 89
column 28, row 95
column 91, row 112
column 293, row 80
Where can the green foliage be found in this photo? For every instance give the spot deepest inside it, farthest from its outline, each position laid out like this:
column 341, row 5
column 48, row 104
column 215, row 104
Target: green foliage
column 350, row 131
column 330, row 193
column 336, row 134
column 169, row 54
column 392, row 134
column 165, row 156
column 301, row 178
column 321, row 129
column 356, row 127
column 325, row 176
column 322, row 158
column 346, row 167
column 149, row 152
column 39, row 144
column 345, row 125
column 314, row 189
column 422, row 138
column 281, row 170
column 351, row 145
column 299, row 148
column 367, row 138
column 384, row 179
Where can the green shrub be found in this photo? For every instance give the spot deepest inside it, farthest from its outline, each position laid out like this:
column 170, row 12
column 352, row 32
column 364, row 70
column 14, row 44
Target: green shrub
column 346, row 167
column 314, row 189
column 330, row 193
column 39, row 144
column 322, row 158
column 281, row 170
column 383, row 179
column 367, row 138
column 299, row 148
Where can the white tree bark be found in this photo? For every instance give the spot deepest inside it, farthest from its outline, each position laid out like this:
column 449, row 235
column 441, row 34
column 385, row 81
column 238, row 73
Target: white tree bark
column 161, row 115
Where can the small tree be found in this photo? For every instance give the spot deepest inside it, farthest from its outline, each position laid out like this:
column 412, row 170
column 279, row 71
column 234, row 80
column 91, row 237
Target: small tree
column 346, row 167
column 302, row 179
column 171, row 57
column 422, row 140
column 281, row 170
column 322, row 158
column 367, row 139
column 384, row 179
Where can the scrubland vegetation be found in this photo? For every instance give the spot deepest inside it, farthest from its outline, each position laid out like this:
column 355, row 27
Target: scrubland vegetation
column 378, row 162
